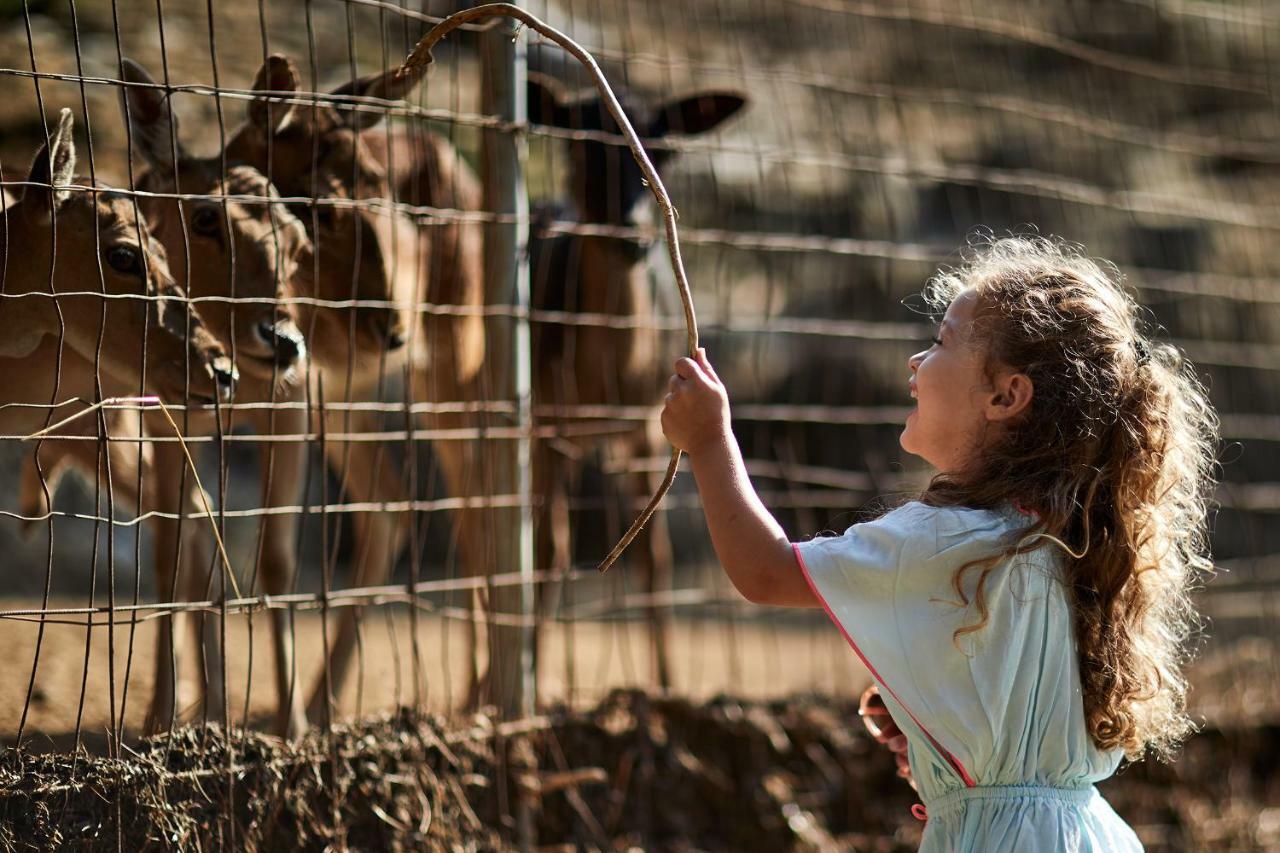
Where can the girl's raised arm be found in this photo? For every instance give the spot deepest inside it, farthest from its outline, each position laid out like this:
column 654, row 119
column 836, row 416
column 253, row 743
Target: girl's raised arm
column 751, row 545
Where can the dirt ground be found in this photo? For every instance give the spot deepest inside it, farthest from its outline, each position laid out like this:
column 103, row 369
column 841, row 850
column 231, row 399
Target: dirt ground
column 1234, row 681
column 635, row 771
column 758, row 748
column 583, row 662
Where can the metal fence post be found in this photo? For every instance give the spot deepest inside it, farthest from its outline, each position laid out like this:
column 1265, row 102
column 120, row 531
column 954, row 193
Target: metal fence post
column 504, row 155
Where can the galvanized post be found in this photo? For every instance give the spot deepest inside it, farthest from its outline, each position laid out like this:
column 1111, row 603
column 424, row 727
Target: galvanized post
column 504, row 155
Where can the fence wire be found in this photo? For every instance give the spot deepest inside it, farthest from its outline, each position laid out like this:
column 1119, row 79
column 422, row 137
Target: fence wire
column 238, row 209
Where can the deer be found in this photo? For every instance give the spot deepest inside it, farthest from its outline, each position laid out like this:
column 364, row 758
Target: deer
column 64, row 253
column 74, row 253
column 601, row 364
column 235, row 243
column 613, row 366
column 314, row 147
column 339, row 157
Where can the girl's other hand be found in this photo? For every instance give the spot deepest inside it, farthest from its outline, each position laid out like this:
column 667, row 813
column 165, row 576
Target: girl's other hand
column 696, row 411
column 875, row 716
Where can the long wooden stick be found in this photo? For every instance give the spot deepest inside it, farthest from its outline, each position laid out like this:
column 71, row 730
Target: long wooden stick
column 421, row 56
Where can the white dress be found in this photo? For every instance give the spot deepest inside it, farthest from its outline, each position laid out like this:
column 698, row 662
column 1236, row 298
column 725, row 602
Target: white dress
column 996, row 731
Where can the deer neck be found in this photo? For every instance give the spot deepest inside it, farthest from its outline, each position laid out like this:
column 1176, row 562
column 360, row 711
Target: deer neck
column 27, row 313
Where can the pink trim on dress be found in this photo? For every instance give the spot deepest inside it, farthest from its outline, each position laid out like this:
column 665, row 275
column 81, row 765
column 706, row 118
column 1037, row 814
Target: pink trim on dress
column 951, row 759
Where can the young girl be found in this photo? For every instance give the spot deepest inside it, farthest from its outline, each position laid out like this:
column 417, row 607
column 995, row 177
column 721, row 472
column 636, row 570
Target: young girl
column 1026, row 616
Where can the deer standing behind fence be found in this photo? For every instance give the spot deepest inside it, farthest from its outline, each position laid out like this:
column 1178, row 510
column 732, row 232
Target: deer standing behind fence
column 233, row 244
column 593, row 363
column 65, row 253
column 620, row 366
column 103, row 317
column 333, row 153
column 90, row 310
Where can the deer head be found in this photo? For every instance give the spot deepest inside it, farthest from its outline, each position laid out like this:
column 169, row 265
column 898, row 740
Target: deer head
column 605, row 182
column 316, row 151
column 81, row 244
column 235, row 245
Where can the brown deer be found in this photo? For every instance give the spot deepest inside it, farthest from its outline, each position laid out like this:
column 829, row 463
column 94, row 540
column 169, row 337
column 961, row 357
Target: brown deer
column 66, row 343
column 240, row 245
column 573, row 365
column 336, row 156
column 65, row 253
column 598, row 364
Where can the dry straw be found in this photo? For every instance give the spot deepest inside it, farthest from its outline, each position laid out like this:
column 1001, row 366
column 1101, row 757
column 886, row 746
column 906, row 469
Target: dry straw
column 204, row 497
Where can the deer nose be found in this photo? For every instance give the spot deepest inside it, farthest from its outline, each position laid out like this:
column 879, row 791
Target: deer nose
column 225, row 376
column 285, row 341
column 396, row 338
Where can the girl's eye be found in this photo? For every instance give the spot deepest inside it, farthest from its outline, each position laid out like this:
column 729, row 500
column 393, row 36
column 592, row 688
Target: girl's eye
column 936, row 341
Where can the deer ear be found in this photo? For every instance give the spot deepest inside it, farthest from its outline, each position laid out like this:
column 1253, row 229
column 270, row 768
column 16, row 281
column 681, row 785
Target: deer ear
column 153, row 128
column 696, row 114
column 277, row 74
column 547, row 98
column 54, row 166
column 387, row 86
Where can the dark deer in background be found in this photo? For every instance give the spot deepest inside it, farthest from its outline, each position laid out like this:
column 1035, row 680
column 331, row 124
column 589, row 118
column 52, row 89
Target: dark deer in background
column 337, row 155
column 595, row 364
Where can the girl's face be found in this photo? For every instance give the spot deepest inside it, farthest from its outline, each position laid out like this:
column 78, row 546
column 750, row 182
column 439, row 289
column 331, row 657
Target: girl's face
column 955, row 400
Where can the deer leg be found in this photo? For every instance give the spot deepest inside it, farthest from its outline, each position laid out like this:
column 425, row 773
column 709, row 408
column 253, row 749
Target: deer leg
column 552, row 530
column 54, row 463
column 166, row 482
column 58, row 458
column 368, row 475
column 460, row 471
column 653, row 548
column 283, row 474
column 200, row 566
column 552, row 538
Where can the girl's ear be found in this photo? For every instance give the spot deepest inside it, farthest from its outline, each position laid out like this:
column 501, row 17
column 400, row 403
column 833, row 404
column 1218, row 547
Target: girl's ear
column 1011, row 398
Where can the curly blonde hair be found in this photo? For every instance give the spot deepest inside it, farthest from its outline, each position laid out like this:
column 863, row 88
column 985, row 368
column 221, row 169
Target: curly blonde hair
column 1115, row 455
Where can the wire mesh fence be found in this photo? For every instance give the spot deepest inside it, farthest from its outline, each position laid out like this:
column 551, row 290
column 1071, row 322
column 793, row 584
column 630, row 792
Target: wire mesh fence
column 263, row 307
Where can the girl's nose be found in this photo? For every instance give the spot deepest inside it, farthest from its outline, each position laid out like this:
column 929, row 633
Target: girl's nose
column 914, row 361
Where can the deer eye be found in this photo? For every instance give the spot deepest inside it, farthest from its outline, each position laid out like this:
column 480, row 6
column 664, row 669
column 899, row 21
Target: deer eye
column 207, row 222
column 125, row 259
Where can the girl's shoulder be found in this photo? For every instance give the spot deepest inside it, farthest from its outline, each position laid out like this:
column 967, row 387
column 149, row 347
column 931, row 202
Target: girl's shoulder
column 942, row 528
column 956, row 518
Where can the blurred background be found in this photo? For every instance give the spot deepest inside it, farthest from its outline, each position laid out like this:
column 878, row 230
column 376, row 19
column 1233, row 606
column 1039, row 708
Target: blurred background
column 876, row 139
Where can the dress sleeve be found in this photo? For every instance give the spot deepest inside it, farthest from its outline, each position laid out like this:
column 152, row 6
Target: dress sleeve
column 890, row 594
column 859, row 576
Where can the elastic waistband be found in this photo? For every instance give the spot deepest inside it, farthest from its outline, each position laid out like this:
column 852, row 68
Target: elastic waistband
column 954, row 801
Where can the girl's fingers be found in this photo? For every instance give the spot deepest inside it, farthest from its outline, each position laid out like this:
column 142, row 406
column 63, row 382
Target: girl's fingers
column 872, row 723
column 704, row 363
column 687, row 368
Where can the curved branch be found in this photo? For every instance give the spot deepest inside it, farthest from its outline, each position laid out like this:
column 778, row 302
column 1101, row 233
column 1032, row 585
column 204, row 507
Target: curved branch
column 421, row 56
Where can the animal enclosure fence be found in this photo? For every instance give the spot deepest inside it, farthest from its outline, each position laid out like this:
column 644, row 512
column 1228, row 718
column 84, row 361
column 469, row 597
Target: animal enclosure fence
column 328, row 274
